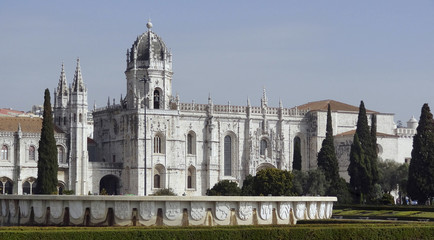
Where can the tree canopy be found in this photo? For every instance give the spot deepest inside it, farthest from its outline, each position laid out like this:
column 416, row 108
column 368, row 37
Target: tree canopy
column 269, row 181
column 224, row 188
column 47, row 152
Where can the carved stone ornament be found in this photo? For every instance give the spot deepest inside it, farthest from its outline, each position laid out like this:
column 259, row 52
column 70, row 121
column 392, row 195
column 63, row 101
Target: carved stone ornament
column 312, row 210
column 122, row 210
column 245, row 210
column 147, row 210
column 56, row 208
column 12, row 208
column 75, row 209
column 197, row 210
column 38, row 209
column 284, row 210
column 329, row 209
column 266, row 210
column 97, row 209
column 4, row 209
column 322, row 210
column 24, row 208
column 299, row 210
column 222, row 210
column 173, row 210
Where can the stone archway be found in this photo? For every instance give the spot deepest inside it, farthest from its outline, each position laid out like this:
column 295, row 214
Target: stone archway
column 110, row 184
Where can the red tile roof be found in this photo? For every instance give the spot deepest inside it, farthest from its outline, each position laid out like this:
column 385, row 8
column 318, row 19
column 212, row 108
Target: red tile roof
column 334, row 105
column 28, row 124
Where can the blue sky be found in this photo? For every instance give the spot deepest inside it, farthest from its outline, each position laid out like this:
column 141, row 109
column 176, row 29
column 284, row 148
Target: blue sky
column 381, row 52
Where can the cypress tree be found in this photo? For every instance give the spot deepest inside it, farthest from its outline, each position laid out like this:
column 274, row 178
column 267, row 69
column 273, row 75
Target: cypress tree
column 374, row 153
column 358, row 171
column 47, row 151
column 327, row 160
column 420, row 184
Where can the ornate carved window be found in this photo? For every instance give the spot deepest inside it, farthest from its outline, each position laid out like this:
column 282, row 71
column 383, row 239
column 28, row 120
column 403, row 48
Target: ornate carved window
column 157, row 144
column 60, row 154
column 191, row 177
column 228, row 156
column 263, row 147
column 191, row 143
column 4, row 153
column 32, row 155
column 156, row 99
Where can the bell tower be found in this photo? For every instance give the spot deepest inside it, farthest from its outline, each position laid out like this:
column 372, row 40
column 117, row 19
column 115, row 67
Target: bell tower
column 78, row 134
column 149, row 72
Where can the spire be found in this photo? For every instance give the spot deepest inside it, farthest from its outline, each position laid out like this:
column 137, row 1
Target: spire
column 209, row 99
column 62, row 87
column 280, row 103
column 77, row 83
column 264, row 100
column 248, row 102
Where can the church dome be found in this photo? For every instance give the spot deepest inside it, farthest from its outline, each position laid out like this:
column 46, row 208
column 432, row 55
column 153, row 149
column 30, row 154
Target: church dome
column 148, row 46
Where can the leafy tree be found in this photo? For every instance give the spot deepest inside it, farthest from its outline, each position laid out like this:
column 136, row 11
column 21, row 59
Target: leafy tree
column 359, row 173
column 164, row 192
column 268, row 181
column 224, row 188
column 273, row 181
column 317, row 184
column 296, row 163
column 327, row 160
column 47, row 152
column 310, row 183
column 299, row 182
column 248, row 188
column 391, row 174
column 421, row 171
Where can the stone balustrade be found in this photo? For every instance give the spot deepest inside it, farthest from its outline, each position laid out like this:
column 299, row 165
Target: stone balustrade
column 160, row 210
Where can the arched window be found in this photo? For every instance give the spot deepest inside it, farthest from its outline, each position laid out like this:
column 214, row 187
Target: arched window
column 29, row 186
column 159, row 176
column 64, row 120
column 6, row 186
column 156, row 99
column 228, row 156
column 157, row 144
column 32, row 155
column 60, row 154
column 80, row 117
column 5, row 153
column 191, row 177
column 296, row 162
column 263, row 147
column 191, row 143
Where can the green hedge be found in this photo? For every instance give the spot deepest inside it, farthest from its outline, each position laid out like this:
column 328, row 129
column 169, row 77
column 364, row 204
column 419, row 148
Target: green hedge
column 385, row 207
column 304, row 231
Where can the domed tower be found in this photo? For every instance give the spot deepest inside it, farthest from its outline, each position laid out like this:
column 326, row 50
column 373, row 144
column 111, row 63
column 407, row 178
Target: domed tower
column 412, row 123
column 149, row 72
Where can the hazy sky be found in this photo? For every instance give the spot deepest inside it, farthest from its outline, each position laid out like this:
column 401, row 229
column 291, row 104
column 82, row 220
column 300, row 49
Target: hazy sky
column 381, row 52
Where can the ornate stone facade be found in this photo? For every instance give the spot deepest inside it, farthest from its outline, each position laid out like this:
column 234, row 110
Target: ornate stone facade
column 187, row 146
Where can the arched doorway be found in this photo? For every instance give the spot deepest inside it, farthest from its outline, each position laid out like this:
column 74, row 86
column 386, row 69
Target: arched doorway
column 296, row 161
column 110, row 184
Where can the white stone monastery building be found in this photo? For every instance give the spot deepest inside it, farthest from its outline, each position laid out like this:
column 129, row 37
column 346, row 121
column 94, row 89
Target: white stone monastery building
column 186, row 146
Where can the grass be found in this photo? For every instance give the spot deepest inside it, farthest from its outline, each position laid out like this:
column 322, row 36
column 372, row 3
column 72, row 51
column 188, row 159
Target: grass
column 383, row 213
